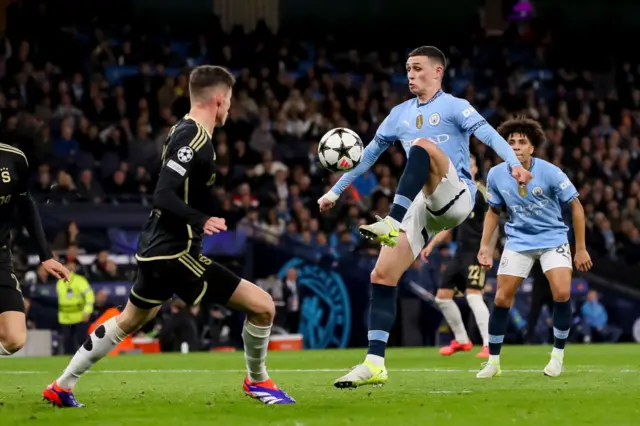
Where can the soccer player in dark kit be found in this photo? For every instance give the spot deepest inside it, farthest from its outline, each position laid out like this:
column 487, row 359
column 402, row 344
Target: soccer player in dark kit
column 464, row 274
column 14, row 194
column 169, row 253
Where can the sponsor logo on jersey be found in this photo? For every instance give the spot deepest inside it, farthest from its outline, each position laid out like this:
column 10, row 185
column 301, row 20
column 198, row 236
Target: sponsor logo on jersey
column 325, row 309
column 467, row 112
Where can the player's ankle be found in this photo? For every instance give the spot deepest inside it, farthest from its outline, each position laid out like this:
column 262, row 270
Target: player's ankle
column 494, row 359
column 376, row 360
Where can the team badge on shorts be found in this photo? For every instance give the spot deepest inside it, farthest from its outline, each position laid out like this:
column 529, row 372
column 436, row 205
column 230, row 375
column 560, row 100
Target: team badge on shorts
column 522, row 190
column 434, row 119
column 419, row 121
column 537, row 191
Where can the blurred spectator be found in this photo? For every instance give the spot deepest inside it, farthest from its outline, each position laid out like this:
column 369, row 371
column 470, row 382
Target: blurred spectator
column 595, row 321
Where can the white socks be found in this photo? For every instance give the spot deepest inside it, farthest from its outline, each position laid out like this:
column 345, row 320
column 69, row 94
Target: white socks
column 558, row 352
column 494, row 359
column 256, row 342
column 102, row 341
column 481, row 314
column 451, row 314
column 4, row 352
column 376, row 360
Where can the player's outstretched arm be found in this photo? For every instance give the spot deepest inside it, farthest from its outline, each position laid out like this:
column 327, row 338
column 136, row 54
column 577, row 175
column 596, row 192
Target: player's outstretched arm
column 370, row 155
column 582, row 258
column 176, row 169
column 30, row 215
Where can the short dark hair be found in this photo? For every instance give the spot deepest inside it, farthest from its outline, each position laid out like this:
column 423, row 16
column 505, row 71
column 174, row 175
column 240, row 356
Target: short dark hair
column 208, row 76
column 430, row 52
column 525, row 126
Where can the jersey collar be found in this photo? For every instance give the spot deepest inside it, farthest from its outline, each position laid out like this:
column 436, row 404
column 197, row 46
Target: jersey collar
column 433, row 98
column 533, row 162
column 188, row 117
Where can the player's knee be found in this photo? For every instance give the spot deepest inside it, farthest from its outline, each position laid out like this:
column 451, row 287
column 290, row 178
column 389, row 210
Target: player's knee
column 504, row 298
column 133, row 318
column 263, row 310
column 425, row 144
column 562, row 295
column 384, row 275
column 444, row 294
column 13, row 342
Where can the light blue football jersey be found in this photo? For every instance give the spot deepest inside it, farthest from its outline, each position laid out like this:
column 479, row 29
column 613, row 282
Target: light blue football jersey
column 535, row 216
column 446, row 120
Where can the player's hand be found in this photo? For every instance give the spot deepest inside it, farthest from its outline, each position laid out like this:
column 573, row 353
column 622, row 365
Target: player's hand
column 327, row 201
column 426, row 252
column 583, row 260
column 485, row 257
column 522, row 175
column 214, row 225
column 56, row 269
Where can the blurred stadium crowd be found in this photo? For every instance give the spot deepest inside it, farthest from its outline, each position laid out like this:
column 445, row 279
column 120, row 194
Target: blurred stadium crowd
column 92, row 109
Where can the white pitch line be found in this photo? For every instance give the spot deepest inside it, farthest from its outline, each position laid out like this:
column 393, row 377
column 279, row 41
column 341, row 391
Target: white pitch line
column 577, row 369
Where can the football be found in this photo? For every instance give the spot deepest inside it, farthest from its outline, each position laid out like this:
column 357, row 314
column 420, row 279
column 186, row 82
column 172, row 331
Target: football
column 340, row 150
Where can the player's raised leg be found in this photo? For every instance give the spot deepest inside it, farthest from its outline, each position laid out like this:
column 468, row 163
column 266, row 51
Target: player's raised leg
column 102, row 341
column 556, row 264
column 514, row 268
column 260, row 311
column 389, row 268
column 426, row 166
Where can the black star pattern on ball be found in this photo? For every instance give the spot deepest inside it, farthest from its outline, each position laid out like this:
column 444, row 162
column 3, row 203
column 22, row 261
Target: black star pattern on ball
column 342, row 151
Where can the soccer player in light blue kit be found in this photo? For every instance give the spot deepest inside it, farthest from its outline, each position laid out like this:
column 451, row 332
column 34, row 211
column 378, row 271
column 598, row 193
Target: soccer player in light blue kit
column 435, row 192
column 535, row 231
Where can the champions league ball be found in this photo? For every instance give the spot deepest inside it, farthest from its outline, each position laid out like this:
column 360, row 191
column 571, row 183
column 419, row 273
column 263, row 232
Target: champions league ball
column 340, row 150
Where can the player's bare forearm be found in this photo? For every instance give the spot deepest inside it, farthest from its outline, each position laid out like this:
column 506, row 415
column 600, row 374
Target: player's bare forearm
column 494, row 239
column 440, row 238
column 490, row 228
column 31, row 219
column 579, row 224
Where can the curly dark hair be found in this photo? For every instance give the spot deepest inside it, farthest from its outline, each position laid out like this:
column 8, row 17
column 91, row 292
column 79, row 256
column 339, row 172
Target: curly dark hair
column 525, row 126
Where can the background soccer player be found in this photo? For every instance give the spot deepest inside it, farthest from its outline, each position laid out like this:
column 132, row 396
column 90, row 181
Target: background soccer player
column 464, row 274
column 535, row 231
column 169, row 253
column 14, row 193
column 434, row 129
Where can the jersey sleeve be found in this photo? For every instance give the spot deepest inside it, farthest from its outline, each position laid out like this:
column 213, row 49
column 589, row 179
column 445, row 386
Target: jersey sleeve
column 387, row 132
column 473, row 123
column 385, row 136
column 370, row 155
column 562, row 186
column 182, row 153
column 494, row 197
column 28, row 210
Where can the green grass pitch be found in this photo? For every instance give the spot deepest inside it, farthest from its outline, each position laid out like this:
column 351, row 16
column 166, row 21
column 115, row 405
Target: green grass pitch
column 600, row 386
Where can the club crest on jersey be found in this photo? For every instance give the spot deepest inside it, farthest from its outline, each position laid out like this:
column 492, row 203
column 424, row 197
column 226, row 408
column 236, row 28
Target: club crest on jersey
column 434, row 119
column 522, row 190
column 185, row 154
column 537, row 191
column 419, row 121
